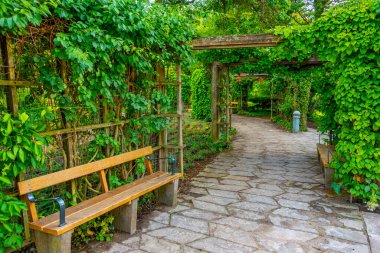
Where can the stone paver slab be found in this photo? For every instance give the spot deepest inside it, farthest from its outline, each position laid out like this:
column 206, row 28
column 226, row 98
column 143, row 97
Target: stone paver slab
column 285, row 234
column 240, row 178
column 153, row 244
column 238, row 223
column 292, row 213
column 212, row 244
column 294, row 204
column 225, row 194
column 258, row 198
column 217, row 200
column 344, row 247
column 226, row 187
column 161, row 217
column 192, row 224
column 202, row 214
column 209, row 207
column 238, row 236
column 299, row 197
column 244, row 214
column 293, row 224
column 262, row 192
column 346, row 234
column 256, row 207
column 178, row 235
column 152, row 225
column 233, row 182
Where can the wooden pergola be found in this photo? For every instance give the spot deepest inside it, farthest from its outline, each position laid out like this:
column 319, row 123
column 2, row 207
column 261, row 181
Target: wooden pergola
column 220, row 82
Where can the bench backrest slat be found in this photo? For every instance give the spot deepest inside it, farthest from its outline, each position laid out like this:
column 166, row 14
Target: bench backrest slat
column 62, row 176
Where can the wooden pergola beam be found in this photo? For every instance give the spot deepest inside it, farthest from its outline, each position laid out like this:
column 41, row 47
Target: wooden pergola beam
column 238, row 41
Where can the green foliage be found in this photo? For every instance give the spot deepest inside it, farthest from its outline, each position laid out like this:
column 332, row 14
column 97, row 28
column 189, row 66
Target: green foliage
column 292, row 90
column 147, row 198
column 10, row 231
column 201, row 95
column 347, row 37
column 21, row 150
column 199, row 144
column 353, row 50
column 226, row 17
column 265, row 113
column 97, row 61
column 21, row 147
column 99, row 229
column 16, row 16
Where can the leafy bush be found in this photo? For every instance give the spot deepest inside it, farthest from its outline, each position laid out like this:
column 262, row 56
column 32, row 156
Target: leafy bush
column 284, row 123
column 293, row 94
column 357, row 93
column 100, row 229
column 347, row 38
column 10, row 230
column 21, row 150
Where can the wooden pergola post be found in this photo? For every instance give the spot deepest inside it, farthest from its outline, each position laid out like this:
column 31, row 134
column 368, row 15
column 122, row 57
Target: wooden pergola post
column 163, row 138
column 8, row 60
column 215, row 100
column 179, row 117
column 220, row 80
column 228, row 103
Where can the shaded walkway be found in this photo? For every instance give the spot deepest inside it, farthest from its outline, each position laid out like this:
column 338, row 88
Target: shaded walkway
column 265, row 195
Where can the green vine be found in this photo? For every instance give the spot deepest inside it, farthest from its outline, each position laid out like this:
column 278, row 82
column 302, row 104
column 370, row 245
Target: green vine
column 201, row 95
column 21, row 151
column 347, row 37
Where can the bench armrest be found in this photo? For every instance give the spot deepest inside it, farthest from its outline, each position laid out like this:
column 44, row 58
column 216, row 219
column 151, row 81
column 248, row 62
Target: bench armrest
column 330, row 153
column 61, row 203
column 171, row 159
column 328, row 134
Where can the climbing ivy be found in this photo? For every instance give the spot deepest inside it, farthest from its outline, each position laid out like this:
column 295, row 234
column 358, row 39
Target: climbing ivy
column 292, row 90
column 21, row 150
column 201, row 95
column 351, row 43
column 347, row 37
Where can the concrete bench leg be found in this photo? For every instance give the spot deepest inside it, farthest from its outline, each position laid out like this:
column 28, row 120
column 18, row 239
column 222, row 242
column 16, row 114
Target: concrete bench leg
column 329, row 177
column 47, row 243
column 126, row 217
column 167, row 194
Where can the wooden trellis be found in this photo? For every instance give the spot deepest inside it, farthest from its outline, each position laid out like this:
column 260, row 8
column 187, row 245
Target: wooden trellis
column 163, row 139
column 8, row 69
column 67, row 131
column 220, row 86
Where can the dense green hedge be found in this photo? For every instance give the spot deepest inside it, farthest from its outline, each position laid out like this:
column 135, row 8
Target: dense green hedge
column 292, row 90
column 200, row 95
column 347, row 37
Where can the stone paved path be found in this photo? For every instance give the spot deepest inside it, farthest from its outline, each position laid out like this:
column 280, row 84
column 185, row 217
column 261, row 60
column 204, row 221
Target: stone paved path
column 263, row 196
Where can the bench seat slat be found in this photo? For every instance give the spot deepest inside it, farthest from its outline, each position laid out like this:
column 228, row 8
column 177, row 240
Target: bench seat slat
column 323, row 154
column 73, row 209
column 103, row 203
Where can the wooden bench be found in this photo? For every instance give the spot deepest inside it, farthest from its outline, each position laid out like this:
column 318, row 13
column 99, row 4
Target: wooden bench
column 325, row 154
column 53, row 232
